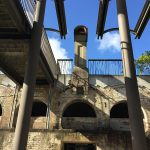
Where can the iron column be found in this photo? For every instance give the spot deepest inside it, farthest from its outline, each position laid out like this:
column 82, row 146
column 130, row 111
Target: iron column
column 133, row 99
column 23, row 121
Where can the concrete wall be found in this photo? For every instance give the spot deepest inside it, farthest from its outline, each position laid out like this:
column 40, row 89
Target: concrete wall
column 55, row 140
column 104, row 93
column 10, row 99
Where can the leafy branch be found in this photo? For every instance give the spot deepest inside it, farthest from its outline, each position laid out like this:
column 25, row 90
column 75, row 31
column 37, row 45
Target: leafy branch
column 143, row 62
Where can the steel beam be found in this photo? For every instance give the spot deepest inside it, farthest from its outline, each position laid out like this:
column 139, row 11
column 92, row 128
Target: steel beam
column 143, row 19
column 60, row 10
column 133, row 99
column 103, row 8
column 23, row 121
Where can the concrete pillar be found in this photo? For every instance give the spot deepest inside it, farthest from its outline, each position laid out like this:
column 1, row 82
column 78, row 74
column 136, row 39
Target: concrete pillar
column 23, row 121
column 80, row 39
column 80, row 71
column 133, row 99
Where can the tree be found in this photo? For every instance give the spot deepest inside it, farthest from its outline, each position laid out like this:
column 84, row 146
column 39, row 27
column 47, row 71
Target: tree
column 143, row 62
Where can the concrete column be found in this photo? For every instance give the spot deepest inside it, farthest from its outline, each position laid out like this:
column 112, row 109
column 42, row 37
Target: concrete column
column 80, row 72
column 133, row 99
column 80, row 38
column 23, row 121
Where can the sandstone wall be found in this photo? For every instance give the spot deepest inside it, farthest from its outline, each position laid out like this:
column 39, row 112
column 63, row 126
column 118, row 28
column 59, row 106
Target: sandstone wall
column 49, row 133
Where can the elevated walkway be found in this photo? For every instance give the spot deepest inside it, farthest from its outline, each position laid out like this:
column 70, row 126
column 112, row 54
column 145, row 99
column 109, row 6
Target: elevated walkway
column 16, row 20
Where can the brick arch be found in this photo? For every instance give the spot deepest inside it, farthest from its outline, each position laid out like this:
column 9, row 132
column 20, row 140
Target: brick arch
column 79, row 104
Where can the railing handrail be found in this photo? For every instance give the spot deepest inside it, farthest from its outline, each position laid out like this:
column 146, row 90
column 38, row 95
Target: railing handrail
column 104, row 59
column 64, row 60
column 99, row 67
column 29, row 9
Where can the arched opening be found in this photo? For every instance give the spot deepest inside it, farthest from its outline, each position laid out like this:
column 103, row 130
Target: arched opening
column 79, row 146
column 119, row 117
column 120, row 110
column 0, row 110
column 79, row 109
column 39, row 109
column 79, row 116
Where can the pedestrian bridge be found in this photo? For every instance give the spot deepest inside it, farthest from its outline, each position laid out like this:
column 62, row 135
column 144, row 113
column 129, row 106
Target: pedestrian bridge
column 16, row 21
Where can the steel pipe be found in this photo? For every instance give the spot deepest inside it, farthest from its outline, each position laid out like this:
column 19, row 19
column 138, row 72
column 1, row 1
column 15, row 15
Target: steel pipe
column 133, row 99
column 23, row 121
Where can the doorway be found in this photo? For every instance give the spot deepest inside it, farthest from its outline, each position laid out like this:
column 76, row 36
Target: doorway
column 79, row 146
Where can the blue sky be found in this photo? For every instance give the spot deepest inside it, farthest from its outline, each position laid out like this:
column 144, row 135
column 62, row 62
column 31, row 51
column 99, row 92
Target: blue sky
column 85, row 12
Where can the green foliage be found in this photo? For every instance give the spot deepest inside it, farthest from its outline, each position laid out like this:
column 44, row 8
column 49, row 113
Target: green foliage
column 143, row 62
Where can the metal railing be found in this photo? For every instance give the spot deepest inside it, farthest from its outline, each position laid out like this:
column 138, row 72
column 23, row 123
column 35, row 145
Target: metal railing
column 97, row 67
column 65, row 66
column 29, row 9
column 105, row 67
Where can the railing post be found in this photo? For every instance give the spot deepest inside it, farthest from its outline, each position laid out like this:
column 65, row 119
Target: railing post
column 133, row 99
column 23, row 121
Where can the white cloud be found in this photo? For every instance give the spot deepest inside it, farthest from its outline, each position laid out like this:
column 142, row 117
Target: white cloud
column 110, row 42
column 58, row 51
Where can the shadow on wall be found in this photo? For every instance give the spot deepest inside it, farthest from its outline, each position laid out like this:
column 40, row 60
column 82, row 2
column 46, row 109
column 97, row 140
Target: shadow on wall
column 81, row 116
column 115, row 84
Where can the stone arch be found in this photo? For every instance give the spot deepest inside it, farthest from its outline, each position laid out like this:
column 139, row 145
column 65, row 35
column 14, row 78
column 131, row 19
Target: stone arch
column 39, row 108
column 119, row 117
column 120, row 110
column 79, row 115
column 85, row 109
